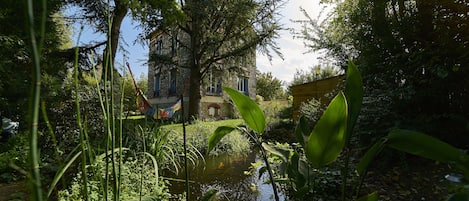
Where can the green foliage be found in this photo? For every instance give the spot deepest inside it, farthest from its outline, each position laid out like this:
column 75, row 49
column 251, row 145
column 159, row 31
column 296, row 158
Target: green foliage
column 219, row 133
column 14, row 151
column 410, row 81
column 137, row 176
column 422, row 145
column 328, row 136
column 17, row 58
column 200, row 132
column 268, row 86
column 255, row 120
column 315, row 73
column 250, row 111
column 354, row 94
column 311, row 110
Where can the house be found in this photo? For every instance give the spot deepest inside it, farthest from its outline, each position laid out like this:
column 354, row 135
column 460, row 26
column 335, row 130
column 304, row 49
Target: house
column 169, row 77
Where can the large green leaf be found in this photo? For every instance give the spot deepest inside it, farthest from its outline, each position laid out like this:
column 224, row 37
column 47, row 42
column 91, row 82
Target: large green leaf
column 217, row 135
column 302, row 130
column 249, row 110
column 328, row 136
column 370, row 156
column 425, row 146
column 428, row 147
column 354, row 94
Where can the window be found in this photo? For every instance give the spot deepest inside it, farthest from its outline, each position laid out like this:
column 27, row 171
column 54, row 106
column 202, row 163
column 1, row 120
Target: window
column 172, row 82
column 213, row 85
column 156, row 92
column 243, row 85
column 159, row 46
column 174, row 45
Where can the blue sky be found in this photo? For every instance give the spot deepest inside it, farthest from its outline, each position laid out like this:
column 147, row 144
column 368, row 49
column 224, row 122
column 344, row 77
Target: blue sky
column 292, row 49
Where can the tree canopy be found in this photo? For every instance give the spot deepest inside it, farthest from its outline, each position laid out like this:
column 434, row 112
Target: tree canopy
column 224, row 30
column 15, row 65
column 268, row 86
column 412, row 54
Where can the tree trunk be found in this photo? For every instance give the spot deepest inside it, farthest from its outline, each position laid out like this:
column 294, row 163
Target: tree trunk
column 195, row 67
column 194, row 92
column 118, row 15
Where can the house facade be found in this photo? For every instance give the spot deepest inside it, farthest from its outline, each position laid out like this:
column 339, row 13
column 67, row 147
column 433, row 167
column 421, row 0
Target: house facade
column 169, row 77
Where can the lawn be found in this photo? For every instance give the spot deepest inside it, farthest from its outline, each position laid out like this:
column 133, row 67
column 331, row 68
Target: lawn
column 212, row 125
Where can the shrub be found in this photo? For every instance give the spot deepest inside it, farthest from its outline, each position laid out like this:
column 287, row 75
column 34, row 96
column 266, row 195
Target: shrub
column 312, row 110
column 138, row 178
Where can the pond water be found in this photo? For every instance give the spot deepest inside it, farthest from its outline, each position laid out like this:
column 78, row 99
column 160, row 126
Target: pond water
column 226, row 174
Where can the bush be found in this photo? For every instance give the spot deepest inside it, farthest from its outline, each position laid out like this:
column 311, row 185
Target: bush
column 14, row 151
column 312, row 110
column 137, row 175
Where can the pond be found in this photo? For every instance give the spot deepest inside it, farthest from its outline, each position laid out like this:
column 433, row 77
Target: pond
column 227, row 175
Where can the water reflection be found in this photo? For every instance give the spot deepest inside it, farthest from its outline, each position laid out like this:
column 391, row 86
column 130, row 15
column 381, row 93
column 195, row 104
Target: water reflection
column 226, row 174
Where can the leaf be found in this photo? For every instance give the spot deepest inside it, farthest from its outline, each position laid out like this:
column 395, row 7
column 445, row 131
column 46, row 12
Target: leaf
column 425, row 146
column 281, row 153
column 354, row 94
column 209, row 195
column 328, row 136
column 262, row 170
column 61, row 173
column 370, row 197
column 302, row 130
column 463, row 196
column 428, row 147
column 249, row 110
column 369, row 156
column 217, row 135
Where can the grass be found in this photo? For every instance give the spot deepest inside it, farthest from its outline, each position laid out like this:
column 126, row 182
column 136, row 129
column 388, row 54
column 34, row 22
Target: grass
column 192, row 129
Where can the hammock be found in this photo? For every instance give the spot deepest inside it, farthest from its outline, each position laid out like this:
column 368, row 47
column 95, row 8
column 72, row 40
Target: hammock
column 145, row 107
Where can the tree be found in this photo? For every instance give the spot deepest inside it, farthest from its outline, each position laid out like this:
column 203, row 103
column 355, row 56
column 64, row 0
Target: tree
column 412, row 54
column 15, row 65
column 268, row 86
column 107, row 17
column 224, row 30
column 314, row 73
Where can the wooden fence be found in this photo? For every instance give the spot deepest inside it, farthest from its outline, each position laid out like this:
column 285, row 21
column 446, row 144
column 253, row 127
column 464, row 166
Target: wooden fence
column 316, row 89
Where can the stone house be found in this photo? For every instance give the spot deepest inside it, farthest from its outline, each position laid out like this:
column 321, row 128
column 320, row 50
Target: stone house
column 168, row 80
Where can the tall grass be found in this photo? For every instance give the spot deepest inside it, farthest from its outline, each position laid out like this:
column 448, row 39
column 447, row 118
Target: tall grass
column 35, row 177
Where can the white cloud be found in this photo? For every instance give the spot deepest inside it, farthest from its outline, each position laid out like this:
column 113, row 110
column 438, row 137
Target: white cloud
column 293, row 50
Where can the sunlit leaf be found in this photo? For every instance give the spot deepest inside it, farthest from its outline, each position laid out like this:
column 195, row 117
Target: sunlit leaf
column 369, row 156
column 423, row 145
column 281, row 153
column 354, row 94
column 328, row 136
column 428, row 147
column 302, row 130
column 217, row 135
column 249, row 110
column 370, row 197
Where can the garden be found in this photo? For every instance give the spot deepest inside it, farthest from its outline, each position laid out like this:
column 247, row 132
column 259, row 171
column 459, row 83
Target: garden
column 396, row 128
